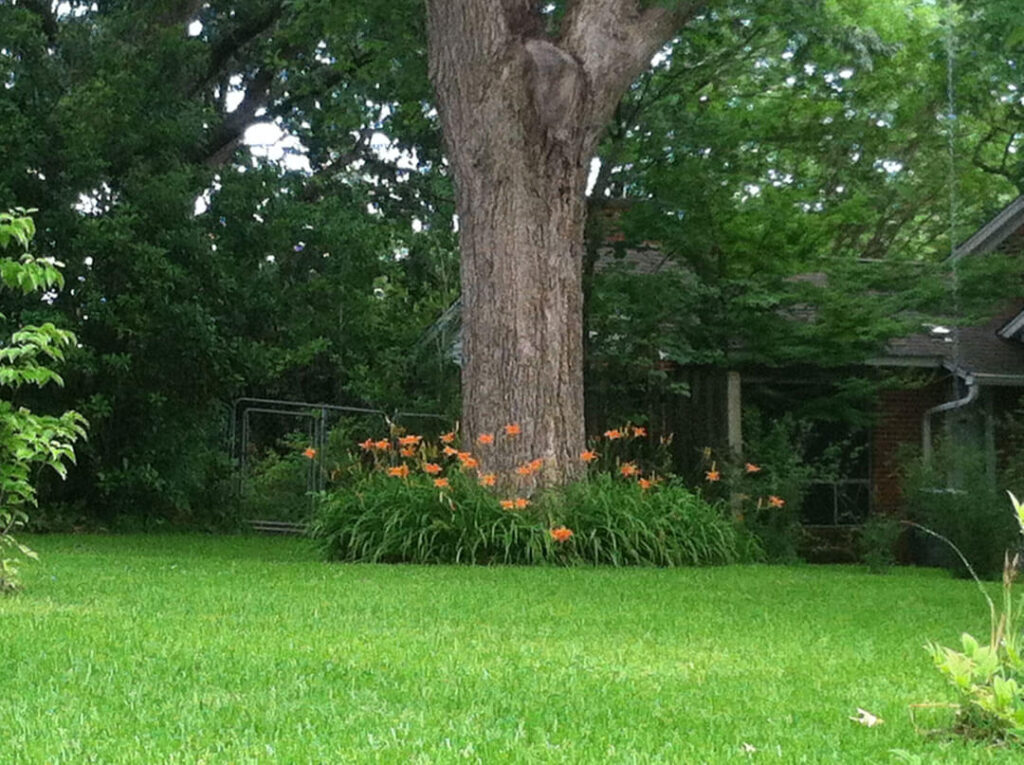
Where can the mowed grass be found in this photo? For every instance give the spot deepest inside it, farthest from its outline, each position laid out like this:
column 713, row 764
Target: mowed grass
column 193, row 649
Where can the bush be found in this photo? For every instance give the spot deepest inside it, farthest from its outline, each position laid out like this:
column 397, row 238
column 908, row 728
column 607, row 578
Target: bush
column 277, row 485
column 955, row 496
column 617, row 523
column 780, row 446
column 28, row 441
column 877, row 542
column 397, row 513
column 391, row 519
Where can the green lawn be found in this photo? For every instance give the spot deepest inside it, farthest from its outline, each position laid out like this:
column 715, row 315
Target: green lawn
column 239, row 650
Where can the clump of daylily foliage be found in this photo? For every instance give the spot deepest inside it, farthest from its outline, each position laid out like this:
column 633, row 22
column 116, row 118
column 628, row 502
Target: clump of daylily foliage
column 413, row 499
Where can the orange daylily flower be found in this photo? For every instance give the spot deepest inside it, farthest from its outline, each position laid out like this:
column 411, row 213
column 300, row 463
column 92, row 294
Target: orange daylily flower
column 629, row 469
column 384, row 444
column 468, row 461
column 407, row 451
column 441, row 483
column 488, row 479
column 432, row 468
column 774, row 501
column 588, row 456
column 639, row 431
column 507, row 504
column 409, row 440
column 522, row 503
column 645, row 483
column 750, row 467
column 713, row 475
column 611, row 435
column 536, row 464
column 561, row 534
column 447, row 438
column 448, row 451
column 401, row 471
column 485, row 438
column 367, row 444
column 310, row 452
column 513, row 429
column 526, row 469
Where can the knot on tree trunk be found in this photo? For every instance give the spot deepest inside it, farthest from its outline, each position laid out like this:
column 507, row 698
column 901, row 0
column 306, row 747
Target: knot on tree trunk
column 557, row 86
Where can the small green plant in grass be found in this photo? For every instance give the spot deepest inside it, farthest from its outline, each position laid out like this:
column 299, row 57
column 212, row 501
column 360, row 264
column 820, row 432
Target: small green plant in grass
column 989, row 677
column 28, row 441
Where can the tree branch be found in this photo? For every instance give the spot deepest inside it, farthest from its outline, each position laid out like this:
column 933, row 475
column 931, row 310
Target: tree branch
column 44, row 11
column 229, row 135
column 232, row 41
column 179, row 12
column 614, row 41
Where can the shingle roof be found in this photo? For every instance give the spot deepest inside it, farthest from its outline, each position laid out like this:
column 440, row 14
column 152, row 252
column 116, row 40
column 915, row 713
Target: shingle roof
column 1007, row 222
column 978, row 350
column 638, row 260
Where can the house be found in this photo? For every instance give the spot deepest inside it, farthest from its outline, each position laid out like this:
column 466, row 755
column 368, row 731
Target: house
column 975, row 375
column 958, row 382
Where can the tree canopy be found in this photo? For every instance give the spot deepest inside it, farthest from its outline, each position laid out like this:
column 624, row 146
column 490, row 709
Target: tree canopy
column 767, row 140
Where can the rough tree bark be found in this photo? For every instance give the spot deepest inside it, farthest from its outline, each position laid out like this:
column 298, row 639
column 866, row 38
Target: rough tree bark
column 522, row 111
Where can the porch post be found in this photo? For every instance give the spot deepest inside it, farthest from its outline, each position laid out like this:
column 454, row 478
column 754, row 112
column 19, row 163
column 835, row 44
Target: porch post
column 734, row 414
column 734, row 429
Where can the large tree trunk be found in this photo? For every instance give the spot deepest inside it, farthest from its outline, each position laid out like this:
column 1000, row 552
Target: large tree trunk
column 521, row 113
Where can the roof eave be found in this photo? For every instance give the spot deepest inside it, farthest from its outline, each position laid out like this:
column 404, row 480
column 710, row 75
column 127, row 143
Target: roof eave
column 995, row 232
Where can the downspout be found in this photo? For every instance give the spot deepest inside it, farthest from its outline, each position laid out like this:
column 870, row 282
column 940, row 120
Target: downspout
column 926, row 423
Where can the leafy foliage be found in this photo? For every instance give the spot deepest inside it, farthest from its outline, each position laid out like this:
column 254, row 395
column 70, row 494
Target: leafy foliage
column 277, row 485
column 798, row 187
column 393, row 520
column 281, row 283
column 416, row 509
column 314, row 270
column 954, row 495
column 877, row 542
column 618, row 523
column 28, row 441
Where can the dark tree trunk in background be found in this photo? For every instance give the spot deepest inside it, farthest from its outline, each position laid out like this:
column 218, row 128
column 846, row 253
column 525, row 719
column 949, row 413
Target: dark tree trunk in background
column 522, row 112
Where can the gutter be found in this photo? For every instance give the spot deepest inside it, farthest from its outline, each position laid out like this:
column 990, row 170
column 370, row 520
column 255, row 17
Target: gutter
column 926, row 423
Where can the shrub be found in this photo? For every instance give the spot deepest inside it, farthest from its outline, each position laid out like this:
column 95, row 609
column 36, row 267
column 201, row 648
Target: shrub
column 390, row 519
column 772, row 495
column 398, row 512
column 28, row 440
column 618, row 523
column 954, row 495
column 877, row 542
column 277, row 484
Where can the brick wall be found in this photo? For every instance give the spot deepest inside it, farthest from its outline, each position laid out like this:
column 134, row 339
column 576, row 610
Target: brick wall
column 898, row 423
